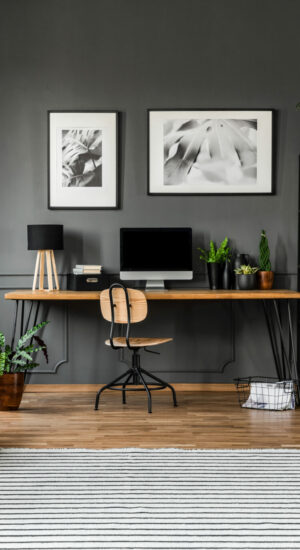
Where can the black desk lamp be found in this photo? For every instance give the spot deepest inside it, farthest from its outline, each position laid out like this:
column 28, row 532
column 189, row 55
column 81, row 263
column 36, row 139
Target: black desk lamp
column 45, row 239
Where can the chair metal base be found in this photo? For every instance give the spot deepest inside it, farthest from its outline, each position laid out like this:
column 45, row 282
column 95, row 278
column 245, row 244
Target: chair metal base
column 133, row 377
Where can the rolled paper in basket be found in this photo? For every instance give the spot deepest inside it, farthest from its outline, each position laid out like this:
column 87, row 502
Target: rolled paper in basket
column 276, row 396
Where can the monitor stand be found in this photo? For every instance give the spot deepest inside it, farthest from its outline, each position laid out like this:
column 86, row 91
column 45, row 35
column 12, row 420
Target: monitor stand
column 158, row 284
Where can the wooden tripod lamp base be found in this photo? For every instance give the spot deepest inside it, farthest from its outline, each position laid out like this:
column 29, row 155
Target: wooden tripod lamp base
column 45, row 239
column 45, row 257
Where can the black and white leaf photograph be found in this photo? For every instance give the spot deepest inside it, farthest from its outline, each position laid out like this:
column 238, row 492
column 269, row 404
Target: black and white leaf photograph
column 82, row 158
column 212, row 150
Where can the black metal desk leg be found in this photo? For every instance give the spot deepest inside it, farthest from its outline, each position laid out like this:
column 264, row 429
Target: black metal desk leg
column 15, row 324
column 292, row 344
column 29, row 315
column 27, row 374
column 285, row 367
column 38, row 303
column 272, row 337
column 281, row 334
column 22, row 318
column 292, row 339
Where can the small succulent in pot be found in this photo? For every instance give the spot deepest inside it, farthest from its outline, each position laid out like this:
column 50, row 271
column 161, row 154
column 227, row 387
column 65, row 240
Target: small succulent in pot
column 265, row 274
column 246, row 270
column 246, row 276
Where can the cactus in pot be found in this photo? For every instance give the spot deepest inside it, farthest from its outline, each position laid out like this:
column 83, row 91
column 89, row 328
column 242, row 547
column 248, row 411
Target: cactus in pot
column 265, row 274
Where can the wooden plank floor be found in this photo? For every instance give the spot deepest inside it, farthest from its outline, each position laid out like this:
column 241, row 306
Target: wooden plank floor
column 202, row 420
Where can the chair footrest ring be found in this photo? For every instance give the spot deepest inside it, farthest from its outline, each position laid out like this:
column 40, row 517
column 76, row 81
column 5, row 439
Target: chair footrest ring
column 127, row 388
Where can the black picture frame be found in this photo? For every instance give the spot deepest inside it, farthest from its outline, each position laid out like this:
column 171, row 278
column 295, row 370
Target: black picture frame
column 199, row 194
column 117, row 159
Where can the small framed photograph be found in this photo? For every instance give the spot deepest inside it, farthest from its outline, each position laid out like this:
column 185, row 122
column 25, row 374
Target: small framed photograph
column 211, row 152
column 82, row 160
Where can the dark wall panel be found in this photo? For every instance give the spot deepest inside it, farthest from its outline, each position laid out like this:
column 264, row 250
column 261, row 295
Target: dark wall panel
column 132, row 55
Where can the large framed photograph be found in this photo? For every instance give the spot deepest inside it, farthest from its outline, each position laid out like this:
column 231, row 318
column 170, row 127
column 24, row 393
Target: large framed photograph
column 82, row 160
column 210, row 152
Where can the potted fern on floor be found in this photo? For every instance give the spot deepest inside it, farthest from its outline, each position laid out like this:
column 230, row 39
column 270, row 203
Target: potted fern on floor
column 14, row 363
column 265, row 273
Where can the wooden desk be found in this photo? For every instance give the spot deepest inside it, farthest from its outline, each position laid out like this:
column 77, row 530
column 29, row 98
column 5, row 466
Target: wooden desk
column 176, row 294
column 282, row 345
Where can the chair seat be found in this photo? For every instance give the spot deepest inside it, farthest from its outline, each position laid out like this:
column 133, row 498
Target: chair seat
column 138, row 342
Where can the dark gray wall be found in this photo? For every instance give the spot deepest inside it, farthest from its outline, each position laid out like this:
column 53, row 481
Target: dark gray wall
column 131, row 55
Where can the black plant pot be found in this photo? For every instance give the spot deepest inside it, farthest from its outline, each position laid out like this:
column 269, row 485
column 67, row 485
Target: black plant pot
column 227, row 276
column 240, row 259
column 214, row 275
column 247, row 282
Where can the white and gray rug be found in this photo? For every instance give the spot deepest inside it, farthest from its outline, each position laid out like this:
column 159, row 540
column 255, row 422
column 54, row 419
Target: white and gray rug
column 156, row 499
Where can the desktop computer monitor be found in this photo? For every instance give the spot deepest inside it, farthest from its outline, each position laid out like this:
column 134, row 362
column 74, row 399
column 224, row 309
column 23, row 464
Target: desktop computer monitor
column 156, row 254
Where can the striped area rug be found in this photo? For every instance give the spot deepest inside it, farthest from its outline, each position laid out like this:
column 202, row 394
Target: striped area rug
column 156, row 499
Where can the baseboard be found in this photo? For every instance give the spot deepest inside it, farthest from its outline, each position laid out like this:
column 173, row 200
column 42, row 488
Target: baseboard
column 73, row 388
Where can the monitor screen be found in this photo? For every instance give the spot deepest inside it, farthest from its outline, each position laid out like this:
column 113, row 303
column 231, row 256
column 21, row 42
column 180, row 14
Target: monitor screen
column 159, row 249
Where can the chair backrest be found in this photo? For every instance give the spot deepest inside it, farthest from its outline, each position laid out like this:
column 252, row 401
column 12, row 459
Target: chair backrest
column 137, row 304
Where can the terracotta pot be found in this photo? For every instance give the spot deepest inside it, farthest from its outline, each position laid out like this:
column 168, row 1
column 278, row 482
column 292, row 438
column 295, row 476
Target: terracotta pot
column 265, row 280
column 11, row 391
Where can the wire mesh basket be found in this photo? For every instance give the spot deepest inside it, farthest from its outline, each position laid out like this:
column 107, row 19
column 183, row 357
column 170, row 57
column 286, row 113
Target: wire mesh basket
column 266, row 393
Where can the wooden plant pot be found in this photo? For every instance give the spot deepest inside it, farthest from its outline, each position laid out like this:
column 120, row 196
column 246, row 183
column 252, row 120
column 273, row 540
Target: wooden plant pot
column 265, row 280
column 11, row 391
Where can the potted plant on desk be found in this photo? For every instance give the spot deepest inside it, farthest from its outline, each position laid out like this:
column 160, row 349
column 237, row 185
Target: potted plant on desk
column 14, row 362
column 214, row 258
column 246, row 276
column 265, row 274
column 226, row 265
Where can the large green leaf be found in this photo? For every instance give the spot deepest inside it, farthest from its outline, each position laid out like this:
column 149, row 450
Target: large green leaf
column 21, row 353
column 26, row 366
column 25, row 354
column 2, row 362
column 18, row 361
column 221, row 252
column 203, row 254
column 2, row 340
column 29, row 334
column 212, row 252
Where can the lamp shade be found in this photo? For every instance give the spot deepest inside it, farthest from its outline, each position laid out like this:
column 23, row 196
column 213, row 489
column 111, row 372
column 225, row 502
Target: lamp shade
column 45, row 237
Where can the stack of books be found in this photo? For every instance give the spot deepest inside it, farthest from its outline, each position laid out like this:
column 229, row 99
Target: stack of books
column 87, row 269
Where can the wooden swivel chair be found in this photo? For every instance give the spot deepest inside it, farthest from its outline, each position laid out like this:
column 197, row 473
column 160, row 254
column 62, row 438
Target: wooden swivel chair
column 120, row 305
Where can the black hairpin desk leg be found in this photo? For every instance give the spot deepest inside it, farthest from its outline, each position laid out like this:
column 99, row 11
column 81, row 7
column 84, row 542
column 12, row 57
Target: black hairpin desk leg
column 35, row 319
column 283, row 353
column 14, row 324
column 289, row 354
column 272, row 338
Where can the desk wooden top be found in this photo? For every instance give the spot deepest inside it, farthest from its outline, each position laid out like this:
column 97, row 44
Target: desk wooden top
column 175, row 294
